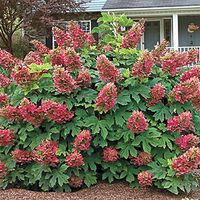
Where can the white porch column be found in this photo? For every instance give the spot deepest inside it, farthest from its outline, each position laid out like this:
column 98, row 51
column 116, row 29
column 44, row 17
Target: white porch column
column 175, row 31
column 162, row 35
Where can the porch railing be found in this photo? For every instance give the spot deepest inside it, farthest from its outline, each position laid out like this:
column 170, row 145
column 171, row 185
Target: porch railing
column 186, row 48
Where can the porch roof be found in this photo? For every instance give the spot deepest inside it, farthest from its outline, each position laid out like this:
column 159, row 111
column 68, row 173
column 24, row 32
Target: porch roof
column 131, row 4
column 94, row 5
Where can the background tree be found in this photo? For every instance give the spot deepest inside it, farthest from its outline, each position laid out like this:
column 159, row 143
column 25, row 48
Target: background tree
column 34, row 14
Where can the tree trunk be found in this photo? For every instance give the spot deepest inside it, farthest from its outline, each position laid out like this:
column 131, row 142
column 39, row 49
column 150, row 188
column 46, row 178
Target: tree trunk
column 9, row 44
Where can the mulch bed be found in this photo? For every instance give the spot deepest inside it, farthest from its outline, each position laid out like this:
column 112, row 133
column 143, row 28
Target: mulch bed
column 101, row 191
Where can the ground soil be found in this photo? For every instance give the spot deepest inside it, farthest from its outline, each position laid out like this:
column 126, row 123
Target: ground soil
column 101, row 191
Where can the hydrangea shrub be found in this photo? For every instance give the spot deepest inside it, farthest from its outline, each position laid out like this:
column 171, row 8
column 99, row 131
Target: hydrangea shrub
column 85, row 112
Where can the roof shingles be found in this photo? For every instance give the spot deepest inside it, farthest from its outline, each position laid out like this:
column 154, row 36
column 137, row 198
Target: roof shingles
column 125, row 4
column 95, row 5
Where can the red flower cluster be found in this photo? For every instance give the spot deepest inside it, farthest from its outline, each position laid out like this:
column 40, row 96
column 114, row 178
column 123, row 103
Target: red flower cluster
column 32, row 57
column 196, row 101
column 3, row 169
column 75, row 181
column 187, row 162
column 84, row 78
column 57, row 112
column 41, row 48
column 31, row 113
column 106, row 98
column 74, row 159
column 180, row 123
column 45, row 153
column 10, row 113
column 143, row 67
column 21, row 156
column 7, row 61
column 108, row 47
column 107, row 71
column 193, row 72
column 62, row 39
column 21, row 74
column 67, row 58
column 90, row 40
column 3, row 98
column 186, row 91
column 63, row 81
column 184, row 142
column 133, row 37
column 175, row 60
column 143, row 158
column 159, row 51
column 6, row 137
column 145, row 178
column 82, row 140
column 156, row 94
column 110, row 154
column 79, row 38
column 75, row 37
column 4, row 81
column 137, row 122
column 192, row 56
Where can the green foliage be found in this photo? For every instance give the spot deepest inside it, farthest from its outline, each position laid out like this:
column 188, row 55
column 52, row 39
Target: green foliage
column 108, row 129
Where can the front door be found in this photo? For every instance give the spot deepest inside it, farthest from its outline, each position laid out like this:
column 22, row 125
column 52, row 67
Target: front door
column 152, row 34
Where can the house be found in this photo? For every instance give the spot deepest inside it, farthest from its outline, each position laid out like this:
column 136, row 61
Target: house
column 177, row 21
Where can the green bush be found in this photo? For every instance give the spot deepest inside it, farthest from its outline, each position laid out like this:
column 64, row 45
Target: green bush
column 109, row 120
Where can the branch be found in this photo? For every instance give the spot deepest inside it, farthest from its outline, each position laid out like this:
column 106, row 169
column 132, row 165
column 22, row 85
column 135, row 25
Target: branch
column 17, row 27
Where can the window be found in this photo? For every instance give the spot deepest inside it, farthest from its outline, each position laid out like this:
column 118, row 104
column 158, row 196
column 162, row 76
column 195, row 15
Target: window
column 85, row 25
column 167, row 30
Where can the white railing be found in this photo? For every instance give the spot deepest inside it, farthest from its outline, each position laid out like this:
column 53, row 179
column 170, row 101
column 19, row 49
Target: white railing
column 186, row 48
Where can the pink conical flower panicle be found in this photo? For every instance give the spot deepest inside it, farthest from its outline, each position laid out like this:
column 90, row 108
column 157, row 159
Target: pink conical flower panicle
column 21, row 156
column 82, row 140
column 6, row 137
column 187, row 162
column 143, row 67
column 67, row 58
column 137, row 122
column 57, row 112
column 74, row 159
column 133, row 37
column 107, row 71
column 181, row 122
column 110, row 154
column 186, row 91
column 184, row 142
column 45, row 153
column 63, row 81
column 106, row 98
column 145, row 178
column 156, row 94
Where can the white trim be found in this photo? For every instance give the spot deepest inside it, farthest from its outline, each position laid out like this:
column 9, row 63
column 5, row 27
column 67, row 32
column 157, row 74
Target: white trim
column 162, row 36
column 175, row 32
column 53, row 41
column 151, row 8
column 142, row 43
